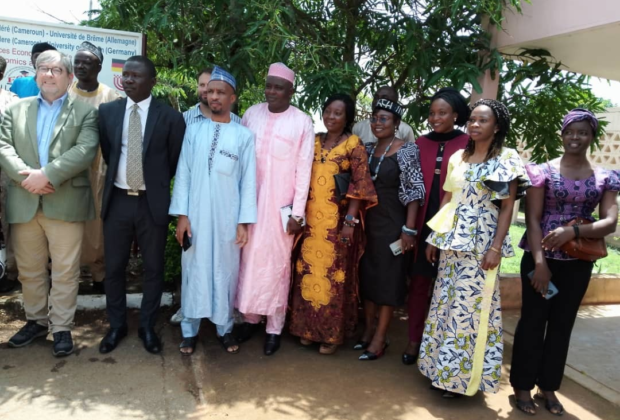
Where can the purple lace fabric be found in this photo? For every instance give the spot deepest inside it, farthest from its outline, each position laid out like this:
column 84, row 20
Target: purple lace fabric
column 566, row 199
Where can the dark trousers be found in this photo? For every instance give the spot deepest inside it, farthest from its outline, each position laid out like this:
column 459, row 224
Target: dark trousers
column 418, row 303
column 543, row 333
column 130, row 216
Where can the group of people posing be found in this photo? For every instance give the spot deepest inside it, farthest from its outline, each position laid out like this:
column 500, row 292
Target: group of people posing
column 275, row 221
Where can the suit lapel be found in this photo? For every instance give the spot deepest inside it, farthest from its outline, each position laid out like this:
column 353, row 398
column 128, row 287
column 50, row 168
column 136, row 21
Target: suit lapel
column 151, row 119
column 65, row 111
column 118, row 119
column 33, row 111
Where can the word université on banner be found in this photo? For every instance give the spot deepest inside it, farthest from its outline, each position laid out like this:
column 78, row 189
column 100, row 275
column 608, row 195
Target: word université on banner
column 17, row 36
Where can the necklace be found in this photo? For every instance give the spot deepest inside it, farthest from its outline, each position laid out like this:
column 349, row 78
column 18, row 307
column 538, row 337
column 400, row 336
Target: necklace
column 372, row 154
column 323, row 149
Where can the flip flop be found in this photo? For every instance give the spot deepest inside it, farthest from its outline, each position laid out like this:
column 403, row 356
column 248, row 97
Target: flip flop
column 523, row 405
column 227, row 341
column 188, row 343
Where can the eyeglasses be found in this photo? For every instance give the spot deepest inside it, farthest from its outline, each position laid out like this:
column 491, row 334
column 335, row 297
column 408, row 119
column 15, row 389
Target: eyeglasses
column 56, row 71
column 382, row 120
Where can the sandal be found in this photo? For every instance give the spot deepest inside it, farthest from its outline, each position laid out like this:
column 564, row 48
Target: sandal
column 188, row 343
column 328, row 349
column 554, row 407
column 305, row 342
column 228, row 341
column 361, row 345
column 451, row 395
column 526, row 406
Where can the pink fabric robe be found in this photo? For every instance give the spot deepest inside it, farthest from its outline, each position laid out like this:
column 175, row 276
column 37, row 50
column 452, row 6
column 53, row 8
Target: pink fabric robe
column 284, row 154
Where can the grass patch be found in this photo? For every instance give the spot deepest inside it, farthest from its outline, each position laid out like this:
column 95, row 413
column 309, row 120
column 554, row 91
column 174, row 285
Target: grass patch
column 512, row 265
column 608, row 265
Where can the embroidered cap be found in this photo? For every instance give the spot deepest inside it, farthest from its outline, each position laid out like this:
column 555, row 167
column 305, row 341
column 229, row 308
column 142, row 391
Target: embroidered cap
column 93, row 49
column 282, row 71
column 219, row 74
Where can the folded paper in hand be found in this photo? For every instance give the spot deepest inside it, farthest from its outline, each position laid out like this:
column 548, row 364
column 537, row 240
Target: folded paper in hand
column 285, row 214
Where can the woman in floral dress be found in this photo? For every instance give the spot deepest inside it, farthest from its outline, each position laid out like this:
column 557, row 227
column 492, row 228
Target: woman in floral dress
column 461, row 350
column 324, row 293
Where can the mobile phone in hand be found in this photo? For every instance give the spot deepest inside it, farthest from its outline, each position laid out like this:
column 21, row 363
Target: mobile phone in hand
column 397, row 247
column 187, row 242
column 551, row 289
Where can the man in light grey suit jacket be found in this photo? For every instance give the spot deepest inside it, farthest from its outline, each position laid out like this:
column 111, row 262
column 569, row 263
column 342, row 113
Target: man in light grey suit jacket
column 47, row 144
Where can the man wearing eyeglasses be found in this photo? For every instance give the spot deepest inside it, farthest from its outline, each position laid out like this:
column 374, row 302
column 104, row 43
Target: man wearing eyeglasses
column 26, row 86
column 362, row 128
column 47, row 144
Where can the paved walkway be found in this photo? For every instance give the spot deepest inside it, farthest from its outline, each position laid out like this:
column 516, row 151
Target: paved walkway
column 593, row 356
column 296, row 383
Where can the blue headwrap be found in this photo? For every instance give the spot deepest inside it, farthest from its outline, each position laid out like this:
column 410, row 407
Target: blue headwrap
column 222, row 75
column 580, row 114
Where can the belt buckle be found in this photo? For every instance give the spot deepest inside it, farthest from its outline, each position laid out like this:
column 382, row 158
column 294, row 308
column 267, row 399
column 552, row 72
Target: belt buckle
column 133, row 193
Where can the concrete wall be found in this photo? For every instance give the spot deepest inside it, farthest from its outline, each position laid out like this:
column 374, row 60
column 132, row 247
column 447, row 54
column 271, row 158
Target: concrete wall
column 548, row 18
column 604, row 289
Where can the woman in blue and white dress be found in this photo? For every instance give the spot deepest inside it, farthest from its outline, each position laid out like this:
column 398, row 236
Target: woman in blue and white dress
column 462, row 347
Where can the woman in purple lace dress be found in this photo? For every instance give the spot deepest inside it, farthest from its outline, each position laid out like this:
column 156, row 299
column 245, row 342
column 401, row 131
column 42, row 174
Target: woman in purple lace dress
column 562, row 189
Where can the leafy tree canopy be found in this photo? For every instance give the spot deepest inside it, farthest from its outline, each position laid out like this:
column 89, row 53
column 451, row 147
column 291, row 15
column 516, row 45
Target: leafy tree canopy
column 353, row 46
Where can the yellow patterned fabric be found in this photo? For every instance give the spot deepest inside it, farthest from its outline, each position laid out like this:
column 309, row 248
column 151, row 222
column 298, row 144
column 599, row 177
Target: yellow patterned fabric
column 324, row 299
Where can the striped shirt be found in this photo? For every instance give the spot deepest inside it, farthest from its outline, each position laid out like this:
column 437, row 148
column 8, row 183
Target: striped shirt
column 194, row 115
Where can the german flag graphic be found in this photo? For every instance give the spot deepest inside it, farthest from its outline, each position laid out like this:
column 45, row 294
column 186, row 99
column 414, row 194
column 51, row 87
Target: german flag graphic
column 117, row 65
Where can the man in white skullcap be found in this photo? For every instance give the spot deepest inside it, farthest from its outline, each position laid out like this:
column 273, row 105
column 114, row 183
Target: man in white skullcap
column 284, row 153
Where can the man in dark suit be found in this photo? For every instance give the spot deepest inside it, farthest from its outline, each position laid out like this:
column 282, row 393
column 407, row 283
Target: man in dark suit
column 140, row 141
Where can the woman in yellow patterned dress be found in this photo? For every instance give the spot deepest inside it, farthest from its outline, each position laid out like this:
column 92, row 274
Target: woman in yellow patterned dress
column 324, row 294
column 462, row 347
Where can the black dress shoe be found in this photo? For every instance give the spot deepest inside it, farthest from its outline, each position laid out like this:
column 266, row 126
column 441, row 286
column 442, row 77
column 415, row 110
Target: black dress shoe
column 111, row 339
column 409, row 359
column 272, row 344
column 245, row 331
column 151, row 341
column 7, row 285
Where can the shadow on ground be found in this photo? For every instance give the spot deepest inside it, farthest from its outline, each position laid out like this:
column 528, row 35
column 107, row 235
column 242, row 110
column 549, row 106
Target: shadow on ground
column 296, row 383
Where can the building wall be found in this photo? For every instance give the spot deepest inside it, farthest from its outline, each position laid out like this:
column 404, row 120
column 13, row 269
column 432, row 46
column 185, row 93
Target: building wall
column 548, row 18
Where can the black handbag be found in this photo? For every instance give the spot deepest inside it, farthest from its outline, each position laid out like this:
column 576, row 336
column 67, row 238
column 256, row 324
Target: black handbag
column 342, row 185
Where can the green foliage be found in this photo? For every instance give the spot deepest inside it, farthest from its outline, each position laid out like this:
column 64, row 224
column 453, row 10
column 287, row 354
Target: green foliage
column 538, row 95
column 353, row 46
column 173, row 252
column 172, row 255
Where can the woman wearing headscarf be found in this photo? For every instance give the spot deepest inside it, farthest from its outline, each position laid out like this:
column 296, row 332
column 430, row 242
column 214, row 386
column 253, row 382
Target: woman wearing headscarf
column 325, row 282
column 563, row 189
column 461, row 350
column 395, row 170
column 448, row 109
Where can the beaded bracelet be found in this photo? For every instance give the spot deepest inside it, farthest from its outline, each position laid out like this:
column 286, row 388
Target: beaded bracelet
column 349, row 224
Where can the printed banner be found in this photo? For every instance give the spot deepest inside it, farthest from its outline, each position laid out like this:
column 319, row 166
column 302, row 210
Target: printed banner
column 17, row 37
